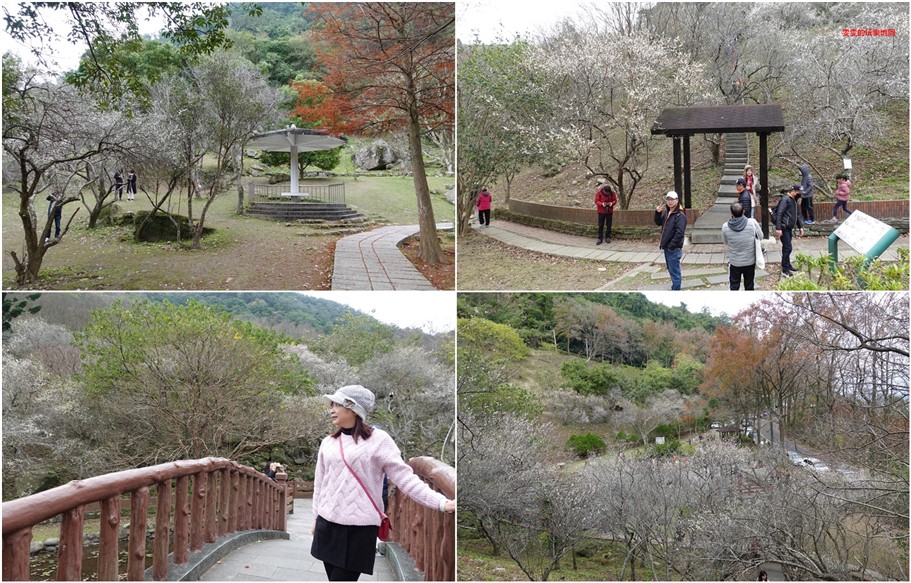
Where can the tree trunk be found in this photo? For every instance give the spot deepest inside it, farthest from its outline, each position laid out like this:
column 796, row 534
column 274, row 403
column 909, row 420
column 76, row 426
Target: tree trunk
column 431, row 251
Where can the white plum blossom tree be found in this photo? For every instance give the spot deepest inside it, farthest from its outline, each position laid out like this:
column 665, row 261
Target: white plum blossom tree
column 608, row 89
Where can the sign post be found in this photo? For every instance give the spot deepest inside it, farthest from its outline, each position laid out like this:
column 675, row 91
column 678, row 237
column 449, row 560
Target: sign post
column 864, row 234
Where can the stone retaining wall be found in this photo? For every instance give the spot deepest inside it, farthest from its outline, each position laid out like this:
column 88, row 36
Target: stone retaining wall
column 589, row 216
column 879, row 209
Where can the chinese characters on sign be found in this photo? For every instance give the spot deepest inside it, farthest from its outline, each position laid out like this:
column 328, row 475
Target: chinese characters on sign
column 862, row 232
column 868, row 32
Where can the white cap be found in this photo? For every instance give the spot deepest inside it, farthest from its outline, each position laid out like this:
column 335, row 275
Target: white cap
column 355, row 397
column 671, row 194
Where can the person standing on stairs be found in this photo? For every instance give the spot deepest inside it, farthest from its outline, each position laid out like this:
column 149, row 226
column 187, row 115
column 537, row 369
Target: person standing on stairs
column 605, row 201
column 752, row 186
column 744, row 197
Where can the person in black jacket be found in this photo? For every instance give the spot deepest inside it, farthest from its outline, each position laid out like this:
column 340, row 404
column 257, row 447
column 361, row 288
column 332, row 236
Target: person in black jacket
column 743, row 197
column 787, row 216
column 672, row 220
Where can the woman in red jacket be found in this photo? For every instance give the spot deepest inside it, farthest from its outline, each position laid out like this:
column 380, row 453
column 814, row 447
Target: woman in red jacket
column 483, row 204
column 605, row 201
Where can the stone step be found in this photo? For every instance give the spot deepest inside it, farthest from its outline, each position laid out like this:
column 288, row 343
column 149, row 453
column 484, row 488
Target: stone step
column 351, row 216
column 303, row 205
column 727, row 190
column 699, row 237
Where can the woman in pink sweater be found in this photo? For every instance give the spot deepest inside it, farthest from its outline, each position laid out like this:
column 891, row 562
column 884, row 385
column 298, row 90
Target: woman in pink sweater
column 348, row 514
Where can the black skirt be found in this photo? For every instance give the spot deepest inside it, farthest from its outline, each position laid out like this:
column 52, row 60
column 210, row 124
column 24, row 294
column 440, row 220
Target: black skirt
column 352, row 548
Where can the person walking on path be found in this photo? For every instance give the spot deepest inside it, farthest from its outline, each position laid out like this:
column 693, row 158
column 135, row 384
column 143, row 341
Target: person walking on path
column 605, row 200
column 744, row 197
column 349, row 481
column 842, row 194
column 118, row 185
column 672, row 221
column 131, row 186
column 787, row 217
column 806, row 197
column 483, row 204
column 740, row 234
column 752, row 186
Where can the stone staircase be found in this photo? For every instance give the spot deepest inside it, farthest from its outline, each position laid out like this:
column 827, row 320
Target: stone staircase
column 306, row 211
column 707, row 228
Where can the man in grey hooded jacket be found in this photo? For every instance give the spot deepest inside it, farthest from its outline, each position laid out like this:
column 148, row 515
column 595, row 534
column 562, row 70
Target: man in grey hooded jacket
column 739, row 235
column 806, row 194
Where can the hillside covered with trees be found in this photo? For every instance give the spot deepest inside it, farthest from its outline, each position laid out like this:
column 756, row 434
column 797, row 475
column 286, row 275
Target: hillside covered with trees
column 94, row 383
column 547, row 117
column 635, row 438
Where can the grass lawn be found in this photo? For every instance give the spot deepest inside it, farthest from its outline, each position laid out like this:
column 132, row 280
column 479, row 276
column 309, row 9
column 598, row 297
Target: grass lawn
column 244, row 253
column 487, row 264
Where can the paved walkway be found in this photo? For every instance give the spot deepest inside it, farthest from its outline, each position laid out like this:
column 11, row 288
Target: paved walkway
column 372, row 261
column 704, row 266
column 284, row 560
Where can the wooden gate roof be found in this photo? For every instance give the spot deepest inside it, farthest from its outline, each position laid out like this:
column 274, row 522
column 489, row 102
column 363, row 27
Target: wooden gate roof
column 678, row 121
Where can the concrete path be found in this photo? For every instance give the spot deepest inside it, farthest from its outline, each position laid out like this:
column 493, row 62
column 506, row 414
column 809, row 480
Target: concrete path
column 372, row 261
column 284, row 560
column 704, row 266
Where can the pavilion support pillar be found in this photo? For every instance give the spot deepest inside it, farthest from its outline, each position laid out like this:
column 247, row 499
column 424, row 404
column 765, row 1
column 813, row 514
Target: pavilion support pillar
column 294, row 179
column 678, row 183
column 687, row 198
column 764, row 182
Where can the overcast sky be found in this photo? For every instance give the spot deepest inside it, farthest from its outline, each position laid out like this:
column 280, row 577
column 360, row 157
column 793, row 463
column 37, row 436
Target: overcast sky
column 718, row 302
column 60, row 51
column 489, row 20
column 432, row 312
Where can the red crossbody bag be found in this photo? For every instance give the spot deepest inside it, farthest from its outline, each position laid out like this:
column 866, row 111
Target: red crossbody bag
column 385, row 524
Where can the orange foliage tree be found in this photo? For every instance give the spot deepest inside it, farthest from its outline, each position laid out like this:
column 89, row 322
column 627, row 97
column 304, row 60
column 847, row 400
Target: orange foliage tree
column 759, row 363
column 316, row 105
column 390, row 66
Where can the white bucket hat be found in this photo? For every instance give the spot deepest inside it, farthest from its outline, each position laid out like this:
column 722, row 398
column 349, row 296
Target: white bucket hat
column 355, row 397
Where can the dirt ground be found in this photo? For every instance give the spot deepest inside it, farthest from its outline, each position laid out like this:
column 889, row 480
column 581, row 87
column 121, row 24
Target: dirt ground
column 487, row 264
column 441, row 275
column 244, row 253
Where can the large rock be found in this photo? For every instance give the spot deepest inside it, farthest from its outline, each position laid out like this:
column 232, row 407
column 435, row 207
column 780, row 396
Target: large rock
column 377, row 156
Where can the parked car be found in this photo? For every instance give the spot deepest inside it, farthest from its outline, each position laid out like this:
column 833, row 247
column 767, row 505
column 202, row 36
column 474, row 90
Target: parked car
column 715, row 425
column 795, row 458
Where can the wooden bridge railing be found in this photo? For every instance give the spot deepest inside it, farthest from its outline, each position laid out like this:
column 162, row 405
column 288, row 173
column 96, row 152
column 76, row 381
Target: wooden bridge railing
column 213, row 497
column 427, row 535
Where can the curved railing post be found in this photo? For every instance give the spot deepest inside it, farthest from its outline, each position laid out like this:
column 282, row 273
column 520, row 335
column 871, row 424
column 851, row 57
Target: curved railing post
column 108, row 539
column 162, row 532
column 280, row 513
column 139, row 516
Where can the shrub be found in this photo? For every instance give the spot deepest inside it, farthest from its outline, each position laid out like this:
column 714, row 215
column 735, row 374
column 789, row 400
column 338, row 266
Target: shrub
column 586, row 444
column 669, row 447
